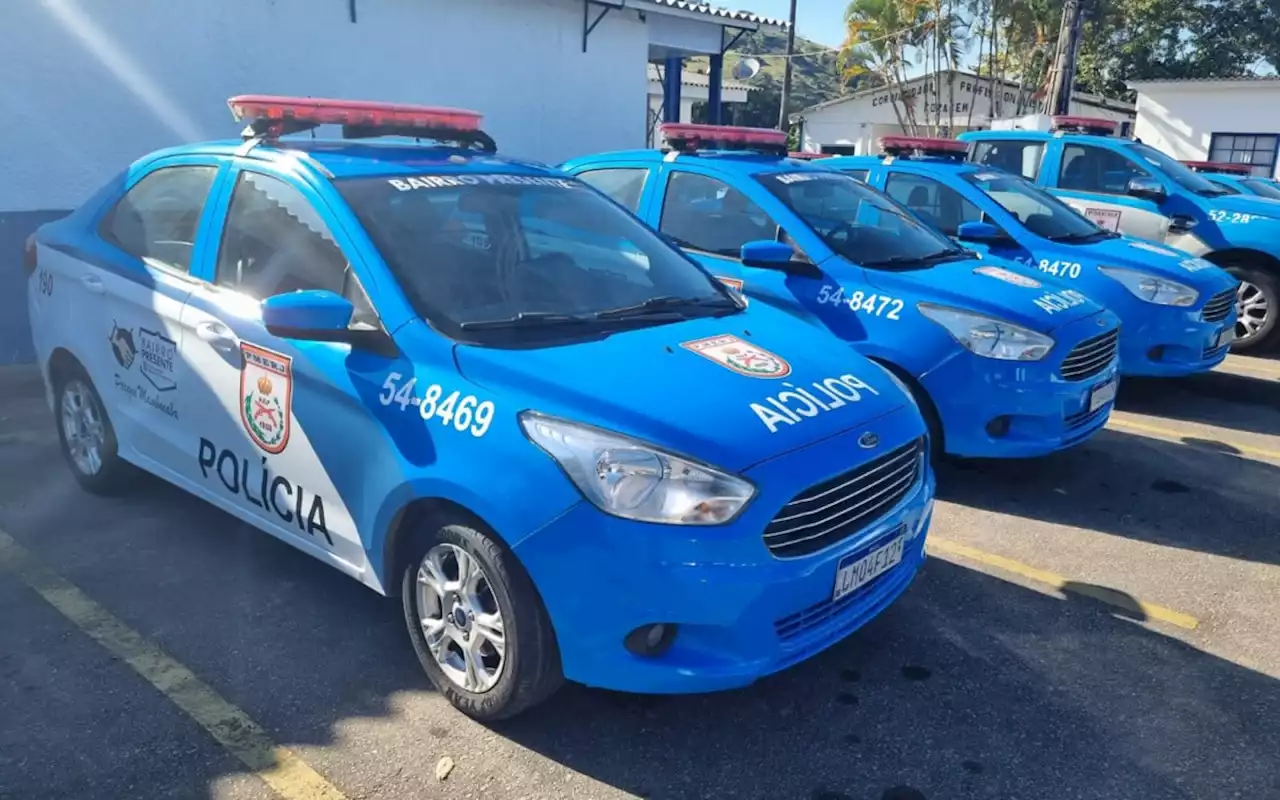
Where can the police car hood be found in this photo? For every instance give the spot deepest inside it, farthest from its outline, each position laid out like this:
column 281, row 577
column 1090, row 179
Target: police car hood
column 991, row 286
column 732, row 391
column 1165, row 262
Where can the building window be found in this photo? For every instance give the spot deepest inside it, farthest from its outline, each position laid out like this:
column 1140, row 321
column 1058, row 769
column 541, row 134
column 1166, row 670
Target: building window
column 1258, row 150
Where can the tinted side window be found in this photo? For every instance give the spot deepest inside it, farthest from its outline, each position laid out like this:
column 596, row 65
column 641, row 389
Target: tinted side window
column 1097, row 169
column 624, row 185
column 1020, row 158
column 939, row 205
column 157, row 219
column 703, row 213
column 275, row 242
column 859, row 174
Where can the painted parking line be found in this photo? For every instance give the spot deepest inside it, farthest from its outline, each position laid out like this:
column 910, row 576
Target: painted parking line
column 1111, row 597
column 1237, row 449
column 282, row 770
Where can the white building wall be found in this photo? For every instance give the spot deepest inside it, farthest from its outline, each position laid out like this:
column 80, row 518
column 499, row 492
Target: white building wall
column 1181, row 118
column 91, row 85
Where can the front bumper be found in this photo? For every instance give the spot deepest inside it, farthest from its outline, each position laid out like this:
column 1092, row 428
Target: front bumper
column 741, row 612
column 1010, row 409
column 1167, row 342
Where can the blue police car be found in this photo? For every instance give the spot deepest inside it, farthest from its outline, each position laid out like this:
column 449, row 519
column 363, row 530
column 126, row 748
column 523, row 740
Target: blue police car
column 1135, row 189
column 478, row 384
column 1176, row 311
column 1236, row 178
column 1003, row 364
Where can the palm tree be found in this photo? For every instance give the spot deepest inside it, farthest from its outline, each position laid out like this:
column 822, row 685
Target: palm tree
column 878, row 35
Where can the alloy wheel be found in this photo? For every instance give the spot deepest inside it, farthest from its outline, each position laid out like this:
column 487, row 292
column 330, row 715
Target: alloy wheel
column 460, row 618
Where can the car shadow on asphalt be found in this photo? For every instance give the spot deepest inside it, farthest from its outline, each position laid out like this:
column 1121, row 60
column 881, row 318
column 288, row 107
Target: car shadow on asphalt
column 1137, row 487
column 1250, row 404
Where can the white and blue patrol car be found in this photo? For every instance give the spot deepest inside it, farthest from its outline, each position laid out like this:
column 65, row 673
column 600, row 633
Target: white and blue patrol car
column 478, row 384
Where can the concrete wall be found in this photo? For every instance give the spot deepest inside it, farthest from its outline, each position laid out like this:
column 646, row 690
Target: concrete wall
column 1181, row 118
column 90, row 85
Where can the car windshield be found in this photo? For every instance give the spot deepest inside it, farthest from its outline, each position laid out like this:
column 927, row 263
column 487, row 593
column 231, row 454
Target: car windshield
column 858, row 222
column 1177, row 171
column 482, row 255
column 1038, row 211
column 1262, row 188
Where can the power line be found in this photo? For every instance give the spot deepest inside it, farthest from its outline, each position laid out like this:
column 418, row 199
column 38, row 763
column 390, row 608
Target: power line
column 825, row 50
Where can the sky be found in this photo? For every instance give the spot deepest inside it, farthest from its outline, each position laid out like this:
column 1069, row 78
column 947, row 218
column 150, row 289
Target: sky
column 819, row 20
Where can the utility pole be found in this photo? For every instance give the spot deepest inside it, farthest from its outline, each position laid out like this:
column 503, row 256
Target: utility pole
column 1062, row 74
column 786, row 75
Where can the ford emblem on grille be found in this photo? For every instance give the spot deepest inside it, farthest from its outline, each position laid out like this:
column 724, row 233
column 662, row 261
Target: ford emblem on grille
column 868, row 440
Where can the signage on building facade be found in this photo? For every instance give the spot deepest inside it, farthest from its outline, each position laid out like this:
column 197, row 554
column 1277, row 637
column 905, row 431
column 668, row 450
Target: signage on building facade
column 965, row 87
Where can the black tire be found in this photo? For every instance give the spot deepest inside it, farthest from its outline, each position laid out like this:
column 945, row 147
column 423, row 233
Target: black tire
column 531, row 672
column 113, row 475
column 1266, row 282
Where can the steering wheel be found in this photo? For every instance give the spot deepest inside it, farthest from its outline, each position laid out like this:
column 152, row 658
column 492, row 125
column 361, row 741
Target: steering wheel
column 845, row 228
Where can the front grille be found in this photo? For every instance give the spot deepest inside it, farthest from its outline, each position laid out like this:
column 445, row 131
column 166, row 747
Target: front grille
column 1213, row 352
column 840, row 507
column 1079, row 420
column 824, row 612
column 1219, row 307
column 1091, row 356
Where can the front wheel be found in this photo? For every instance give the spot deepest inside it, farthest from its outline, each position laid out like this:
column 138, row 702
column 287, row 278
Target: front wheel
column 477, row 623
column 1257, row 305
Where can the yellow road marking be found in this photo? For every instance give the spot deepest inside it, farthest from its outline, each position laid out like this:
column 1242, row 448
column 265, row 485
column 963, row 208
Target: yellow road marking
column 1101, row 593
column 1178, row 437
column 280, row 768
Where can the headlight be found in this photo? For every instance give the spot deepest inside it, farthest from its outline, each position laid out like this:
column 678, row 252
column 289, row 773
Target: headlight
column 989, row 337
column 634, row 480
column 1152, row 288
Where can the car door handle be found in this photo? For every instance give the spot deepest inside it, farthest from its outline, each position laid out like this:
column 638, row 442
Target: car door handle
column 93, row 283
column 218, row 336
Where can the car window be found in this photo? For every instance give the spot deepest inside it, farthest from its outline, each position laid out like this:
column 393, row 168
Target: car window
column 855, row 220
column 706, row 214
column 475, row 249
column 1040, row 212
column 274, row 242
column 934, row 202
column 1263, row 188
column 859, row 174
column 624, row 185
column 1097, row 169
column 157, row 219
column 1019, row 157
column 1228, row 188
column 1174, row 170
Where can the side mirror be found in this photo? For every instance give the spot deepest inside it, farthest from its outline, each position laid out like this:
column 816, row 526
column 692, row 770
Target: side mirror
column 767, row 254
column 1146, row 189
column 983, row 232
column 317, row 314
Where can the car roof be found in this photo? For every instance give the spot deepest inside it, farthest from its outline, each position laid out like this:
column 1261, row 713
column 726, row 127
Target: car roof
column 1040, row 136
column 340, row 158
column 924, row 164
column 726, row 160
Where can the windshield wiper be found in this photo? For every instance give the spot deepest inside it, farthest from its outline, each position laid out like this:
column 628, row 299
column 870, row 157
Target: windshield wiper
column 526, row 319
column 1078, row 237
column 949, row 254
column 667, row 304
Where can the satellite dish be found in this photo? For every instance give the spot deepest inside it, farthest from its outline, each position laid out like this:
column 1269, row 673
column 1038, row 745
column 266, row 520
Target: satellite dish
column 745, row 69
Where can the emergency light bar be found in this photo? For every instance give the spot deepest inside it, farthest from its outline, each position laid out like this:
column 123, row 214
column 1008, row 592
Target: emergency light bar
column 271, row 117
column 1091, row 125
column 690, row 138
column 899, row 146
column 806, row 156
column 1220, row 167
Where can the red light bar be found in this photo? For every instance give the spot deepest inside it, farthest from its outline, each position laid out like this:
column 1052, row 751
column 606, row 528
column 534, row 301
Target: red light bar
column 806, row 156
column 351, row 112
column 1097, row 125
column 1219, row 167
column 924, row 145
column 688, row 137
column 271, row 116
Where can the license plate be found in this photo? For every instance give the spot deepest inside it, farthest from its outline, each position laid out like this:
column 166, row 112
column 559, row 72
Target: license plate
column 1226, row 336
column 851, row 575
column 1102, row 395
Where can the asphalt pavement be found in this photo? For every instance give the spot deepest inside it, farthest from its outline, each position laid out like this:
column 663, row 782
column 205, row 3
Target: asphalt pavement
column 1098, row 624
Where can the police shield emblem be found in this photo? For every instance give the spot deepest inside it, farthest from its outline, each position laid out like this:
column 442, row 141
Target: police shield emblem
column 266, row 396
column 740, row 356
